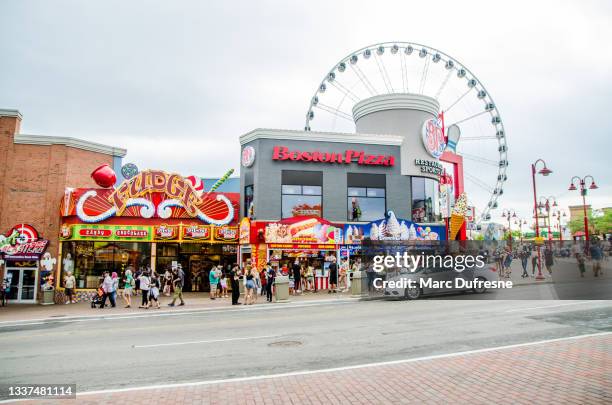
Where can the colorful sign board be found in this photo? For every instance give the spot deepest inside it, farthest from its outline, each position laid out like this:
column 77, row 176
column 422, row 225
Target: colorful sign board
column 123, row 233
column 151, row 194
column 248, row 156
column 283, row 153
column 392, row 229
column 432, row 134
column 245, row 231
column 22, row 242
column 155, row 233
column 302, row 230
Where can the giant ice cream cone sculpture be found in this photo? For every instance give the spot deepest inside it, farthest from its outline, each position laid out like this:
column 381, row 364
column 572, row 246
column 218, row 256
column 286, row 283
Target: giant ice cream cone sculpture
column 457, row 216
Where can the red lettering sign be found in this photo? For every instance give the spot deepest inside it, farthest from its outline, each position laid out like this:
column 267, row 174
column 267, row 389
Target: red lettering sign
column 132, row 233
column 102, row 233
column 283, row 153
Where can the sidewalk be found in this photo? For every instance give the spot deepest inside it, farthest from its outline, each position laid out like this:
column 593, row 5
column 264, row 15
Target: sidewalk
column 571, row 371
column 193, row 301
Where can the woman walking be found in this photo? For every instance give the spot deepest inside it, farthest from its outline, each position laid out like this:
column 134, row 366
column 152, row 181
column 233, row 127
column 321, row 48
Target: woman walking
column 154, row 292
column 128, row 285
column 145, row 283
column 249, row 285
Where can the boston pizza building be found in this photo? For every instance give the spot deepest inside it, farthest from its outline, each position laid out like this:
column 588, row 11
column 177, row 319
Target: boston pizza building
column 381, row 182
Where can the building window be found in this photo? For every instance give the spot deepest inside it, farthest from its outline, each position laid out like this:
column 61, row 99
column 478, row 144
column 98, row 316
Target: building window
column 248, row 200
column 301, row 200
column 89, row 260
column 366, row 203
column 425, row 200
column 301, row 193
column 366, row 196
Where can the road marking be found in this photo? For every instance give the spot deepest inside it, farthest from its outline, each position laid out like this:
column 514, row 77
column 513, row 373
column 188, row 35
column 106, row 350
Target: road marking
column 206, row 341
column 336, row 369
column 551, row 306
column 110, row 317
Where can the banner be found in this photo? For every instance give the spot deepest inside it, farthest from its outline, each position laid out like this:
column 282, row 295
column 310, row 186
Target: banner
column 392, row 228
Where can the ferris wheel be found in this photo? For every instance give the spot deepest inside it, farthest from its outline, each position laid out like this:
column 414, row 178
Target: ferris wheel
column 404, row 67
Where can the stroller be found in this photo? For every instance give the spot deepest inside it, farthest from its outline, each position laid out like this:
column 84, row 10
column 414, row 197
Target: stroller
column 98, row 300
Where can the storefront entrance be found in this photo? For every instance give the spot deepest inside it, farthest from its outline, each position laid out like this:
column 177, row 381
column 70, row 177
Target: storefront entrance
column 22, row 281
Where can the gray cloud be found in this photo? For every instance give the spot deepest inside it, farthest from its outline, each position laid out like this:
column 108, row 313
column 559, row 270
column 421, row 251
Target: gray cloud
column 178, row 82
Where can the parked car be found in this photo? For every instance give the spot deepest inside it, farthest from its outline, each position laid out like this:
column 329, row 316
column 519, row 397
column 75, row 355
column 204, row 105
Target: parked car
column 430, row 281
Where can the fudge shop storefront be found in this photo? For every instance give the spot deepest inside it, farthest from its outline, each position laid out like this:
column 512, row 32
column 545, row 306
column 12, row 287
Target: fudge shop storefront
column 155, row 220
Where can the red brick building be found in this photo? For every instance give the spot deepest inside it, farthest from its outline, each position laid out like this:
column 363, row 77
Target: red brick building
column 34, row 171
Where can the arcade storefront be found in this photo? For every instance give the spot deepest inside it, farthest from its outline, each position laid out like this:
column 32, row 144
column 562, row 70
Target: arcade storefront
column 24, row 264
column 155, row 220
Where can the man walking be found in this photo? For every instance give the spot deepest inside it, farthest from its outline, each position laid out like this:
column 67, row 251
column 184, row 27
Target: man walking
column 296, row 275
column 234, row 277
column 333, row 277
column 179, row 280
column 270, row 276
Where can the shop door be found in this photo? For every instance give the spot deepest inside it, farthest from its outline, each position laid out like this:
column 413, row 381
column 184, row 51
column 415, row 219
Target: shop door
column 23, row 284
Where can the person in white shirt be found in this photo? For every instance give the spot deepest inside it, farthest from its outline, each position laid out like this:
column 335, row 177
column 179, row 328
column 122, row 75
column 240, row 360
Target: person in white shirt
column 69, row 283
column 107, row 286
column 145, row 283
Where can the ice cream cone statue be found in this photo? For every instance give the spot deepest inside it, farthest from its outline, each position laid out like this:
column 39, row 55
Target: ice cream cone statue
column 457, row 216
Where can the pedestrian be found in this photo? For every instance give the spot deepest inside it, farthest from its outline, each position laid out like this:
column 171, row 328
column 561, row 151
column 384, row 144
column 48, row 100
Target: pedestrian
column 296, row 268
column 223, row 285
column 107, row 287
column 596, row 257
column 167, row 282
column 115, row 279
column 5, row 288
column 69, row 283
column 249, row 285
column 371, row 276
column 344, row 269
column 534, row 263
column 581, row 263
column 263, row 280
column 333, row 277
column 145, row 285
column 178, row 283
column 213, row 278
column 235, row 284
column 258, row 285
column 128, row 286
column 270, row 277
column 154, row 292
column 524, row 256
column 137, row 280
column 548, row 259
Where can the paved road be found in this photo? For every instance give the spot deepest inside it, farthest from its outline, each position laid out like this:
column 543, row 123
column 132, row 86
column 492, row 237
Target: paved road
column 124, row 353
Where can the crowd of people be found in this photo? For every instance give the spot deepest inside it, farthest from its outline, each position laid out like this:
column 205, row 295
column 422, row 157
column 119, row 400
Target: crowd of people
column 544, row 257
column 151, row 285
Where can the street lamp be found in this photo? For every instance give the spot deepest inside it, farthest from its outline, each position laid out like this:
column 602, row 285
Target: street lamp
column 559, row 214
column 545, row 204
column 583, row 192
column 520, row 222
column 510, row 214
column 544, row 171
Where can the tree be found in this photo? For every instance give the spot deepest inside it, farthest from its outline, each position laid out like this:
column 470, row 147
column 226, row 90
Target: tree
column 598, row 225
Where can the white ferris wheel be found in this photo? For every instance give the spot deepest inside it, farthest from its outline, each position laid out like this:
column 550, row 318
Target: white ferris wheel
column 404, row 67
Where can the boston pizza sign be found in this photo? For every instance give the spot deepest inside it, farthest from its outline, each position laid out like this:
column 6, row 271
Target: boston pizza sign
column 283, row 153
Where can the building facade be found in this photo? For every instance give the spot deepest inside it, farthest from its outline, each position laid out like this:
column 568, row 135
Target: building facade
column 34, row 171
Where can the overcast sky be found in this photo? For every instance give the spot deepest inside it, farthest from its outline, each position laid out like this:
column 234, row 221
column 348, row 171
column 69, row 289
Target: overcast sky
column 176, row 82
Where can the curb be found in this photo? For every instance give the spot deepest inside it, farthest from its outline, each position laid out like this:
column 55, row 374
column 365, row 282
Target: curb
column 186, row 311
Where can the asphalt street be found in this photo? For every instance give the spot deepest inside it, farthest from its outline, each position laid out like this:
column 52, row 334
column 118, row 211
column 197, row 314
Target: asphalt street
column 123, row 353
